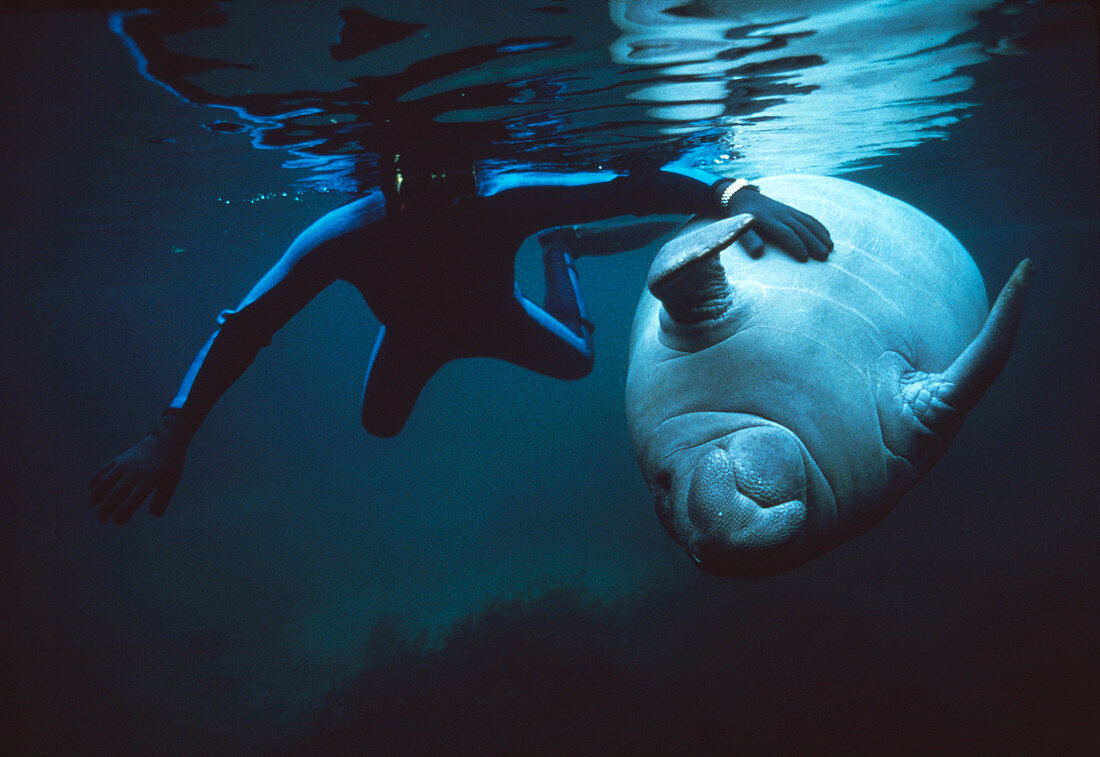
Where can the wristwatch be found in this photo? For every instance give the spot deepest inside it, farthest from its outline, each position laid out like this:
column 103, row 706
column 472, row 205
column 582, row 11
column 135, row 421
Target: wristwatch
column 732, row 189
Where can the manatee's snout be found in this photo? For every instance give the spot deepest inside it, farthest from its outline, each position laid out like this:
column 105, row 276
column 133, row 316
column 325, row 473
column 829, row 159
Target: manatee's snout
column 746, row 504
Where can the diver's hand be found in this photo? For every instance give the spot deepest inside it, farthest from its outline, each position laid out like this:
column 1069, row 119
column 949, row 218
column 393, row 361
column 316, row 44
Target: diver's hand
column 801, row 235
column 152, row 466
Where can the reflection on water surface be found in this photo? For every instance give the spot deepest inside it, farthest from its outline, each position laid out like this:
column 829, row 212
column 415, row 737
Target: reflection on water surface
column 741, row 87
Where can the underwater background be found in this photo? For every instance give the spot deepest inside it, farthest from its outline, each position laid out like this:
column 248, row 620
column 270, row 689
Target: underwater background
column 493, row 579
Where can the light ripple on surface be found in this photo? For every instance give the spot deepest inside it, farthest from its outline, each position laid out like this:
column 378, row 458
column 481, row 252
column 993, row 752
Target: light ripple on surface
column 813, row 87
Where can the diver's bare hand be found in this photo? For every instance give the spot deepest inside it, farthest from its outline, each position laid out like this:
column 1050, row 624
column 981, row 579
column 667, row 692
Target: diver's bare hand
column 152, row 466
column 801, row 235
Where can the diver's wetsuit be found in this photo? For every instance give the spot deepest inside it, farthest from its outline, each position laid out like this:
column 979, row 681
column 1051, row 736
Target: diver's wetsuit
column 442, row 283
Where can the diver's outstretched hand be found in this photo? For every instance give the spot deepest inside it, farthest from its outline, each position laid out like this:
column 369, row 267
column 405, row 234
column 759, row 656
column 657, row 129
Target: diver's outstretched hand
column 801, row 235
column 152, row 466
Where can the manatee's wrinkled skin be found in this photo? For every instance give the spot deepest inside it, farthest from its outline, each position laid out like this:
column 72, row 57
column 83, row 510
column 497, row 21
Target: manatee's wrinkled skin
column 784, row 407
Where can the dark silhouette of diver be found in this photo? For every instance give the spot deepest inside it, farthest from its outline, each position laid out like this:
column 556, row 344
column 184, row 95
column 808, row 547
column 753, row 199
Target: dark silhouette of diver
column 434, row 260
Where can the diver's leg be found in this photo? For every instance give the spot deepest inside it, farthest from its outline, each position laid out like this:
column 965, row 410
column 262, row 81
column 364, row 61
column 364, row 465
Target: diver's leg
column 515, row 329
column 560, row 245
column 563, row 300
column 400, row 367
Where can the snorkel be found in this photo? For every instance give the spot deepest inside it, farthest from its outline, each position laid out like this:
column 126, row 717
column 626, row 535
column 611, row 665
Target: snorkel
column 414, row 183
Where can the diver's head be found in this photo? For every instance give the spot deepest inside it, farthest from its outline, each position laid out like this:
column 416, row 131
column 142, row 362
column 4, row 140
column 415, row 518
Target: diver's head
column 411, row 181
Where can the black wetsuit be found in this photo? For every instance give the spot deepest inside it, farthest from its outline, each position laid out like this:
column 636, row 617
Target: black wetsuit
column 441, row 281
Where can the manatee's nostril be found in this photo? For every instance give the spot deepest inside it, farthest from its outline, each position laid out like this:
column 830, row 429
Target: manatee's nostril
column 729, row 529
column 767, row 461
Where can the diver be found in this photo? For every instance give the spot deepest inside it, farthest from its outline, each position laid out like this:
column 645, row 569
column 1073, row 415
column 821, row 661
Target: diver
column 433, row 253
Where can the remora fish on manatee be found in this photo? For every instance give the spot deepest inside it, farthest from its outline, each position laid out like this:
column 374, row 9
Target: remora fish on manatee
column 778, row 408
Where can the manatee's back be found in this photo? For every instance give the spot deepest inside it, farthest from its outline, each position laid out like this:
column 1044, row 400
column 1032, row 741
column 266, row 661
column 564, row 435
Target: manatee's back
column 893, row 266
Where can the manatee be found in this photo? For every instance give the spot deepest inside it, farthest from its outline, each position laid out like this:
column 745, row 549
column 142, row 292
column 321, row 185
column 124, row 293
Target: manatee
column 777, row 408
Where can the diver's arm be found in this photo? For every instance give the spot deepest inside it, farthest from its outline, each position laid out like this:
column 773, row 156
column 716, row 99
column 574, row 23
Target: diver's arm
column 540, row 206
column 667, row 192
column 153, row 465
column 801, row 235
column 316, row 258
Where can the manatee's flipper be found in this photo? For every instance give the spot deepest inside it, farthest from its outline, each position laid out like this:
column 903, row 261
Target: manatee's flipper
column 401, row 365
column 973, row 371
column 920, row 412
column 687, row 275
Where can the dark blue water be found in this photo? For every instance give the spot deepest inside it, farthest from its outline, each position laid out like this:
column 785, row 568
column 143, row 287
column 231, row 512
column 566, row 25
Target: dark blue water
column 299, row 553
